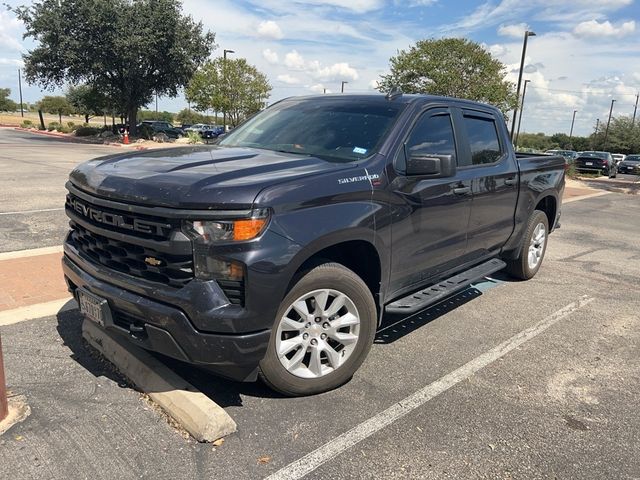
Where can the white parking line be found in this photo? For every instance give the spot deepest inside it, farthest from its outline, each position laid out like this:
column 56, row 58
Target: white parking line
column 34, row 252
column 39, row 310
column 21, row 212
column 331, row 449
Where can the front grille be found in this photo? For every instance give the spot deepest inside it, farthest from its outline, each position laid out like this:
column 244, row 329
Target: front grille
column 136, row 260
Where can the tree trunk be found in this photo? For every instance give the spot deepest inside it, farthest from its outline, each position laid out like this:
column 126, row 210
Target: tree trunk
column 132, row 113
column 86, row 118
column 60, row 118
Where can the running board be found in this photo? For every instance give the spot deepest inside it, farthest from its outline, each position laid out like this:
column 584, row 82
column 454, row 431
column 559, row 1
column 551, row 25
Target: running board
column 433, row 294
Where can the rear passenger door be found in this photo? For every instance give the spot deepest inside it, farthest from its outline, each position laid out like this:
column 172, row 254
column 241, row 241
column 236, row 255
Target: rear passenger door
column 489, row 165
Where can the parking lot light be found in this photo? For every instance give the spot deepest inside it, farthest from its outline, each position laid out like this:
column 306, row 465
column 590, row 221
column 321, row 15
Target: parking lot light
column 527, row 34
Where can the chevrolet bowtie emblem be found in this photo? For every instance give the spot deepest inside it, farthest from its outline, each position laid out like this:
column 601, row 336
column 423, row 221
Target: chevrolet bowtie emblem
column 152, row 261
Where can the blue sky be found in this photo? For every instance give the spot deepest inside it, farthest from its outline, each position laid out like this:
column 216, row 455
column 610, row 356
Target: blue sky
column 586, row 52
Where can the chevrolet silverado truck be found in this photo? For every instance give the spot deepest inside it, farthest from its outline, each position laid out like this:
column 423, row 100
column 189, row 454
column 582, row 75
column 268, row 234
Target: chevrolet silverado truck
column 276, row 252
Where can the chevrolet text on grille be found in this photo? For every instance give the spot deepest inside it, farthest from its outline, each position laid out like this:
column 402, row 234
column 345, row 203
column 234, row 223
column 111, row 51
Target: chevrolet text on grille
column 129, row 223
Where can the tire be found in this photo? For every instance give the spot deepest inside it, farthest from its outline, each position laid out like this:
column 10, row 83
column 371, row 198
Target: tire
column 303, row 367
column 521, row 267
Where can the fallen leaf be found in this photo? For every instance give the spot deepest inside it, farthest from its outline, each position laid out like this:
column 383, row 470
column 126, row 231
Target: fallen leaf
column 218, row 442
column 492, row 447
column 264, row 460
column 18, row 438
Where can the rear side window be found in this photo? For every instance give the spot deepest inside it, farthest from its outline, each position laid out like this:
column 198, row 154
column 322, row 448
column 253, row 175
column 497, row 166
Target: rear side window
column 483, row 139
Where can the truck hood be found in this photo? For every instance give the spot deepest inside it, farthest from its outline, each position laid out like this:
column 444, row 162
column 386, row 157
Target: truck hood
column 209, row 177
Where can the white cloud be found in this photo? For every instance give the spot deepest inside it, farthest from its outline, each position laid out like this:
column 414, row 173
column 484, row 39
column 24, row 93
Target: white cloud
column 593, row 28
column 319, row 88
column 373, row 84
column 294, row 60
column 495, row 50
column 270, row 56
column 360, row 6
column 12, row 61
column 336, row 72
column 269, row 30
column 288, row 79
column 10, row 28
column 516, row 30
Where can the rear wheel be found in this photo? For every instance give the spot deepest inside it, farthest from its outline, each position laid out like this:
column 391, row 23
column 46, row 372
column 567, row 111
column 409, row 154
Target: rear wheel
column 323, row 331
column 533, row 248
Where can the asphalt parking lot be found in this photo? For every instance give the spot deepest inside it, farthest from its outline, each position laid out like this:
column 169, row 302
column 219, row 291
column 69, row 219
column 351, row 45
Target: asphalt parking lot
column 553, row 402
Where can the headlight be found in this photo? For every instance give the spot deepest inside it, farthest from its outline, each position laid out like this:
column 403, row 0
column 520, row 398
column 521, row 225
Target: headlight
column 210, row 231
column 206, row 233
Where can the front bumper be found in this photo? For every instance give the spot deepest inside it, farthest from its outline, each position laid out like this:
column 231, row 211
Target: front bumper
column 165, row 328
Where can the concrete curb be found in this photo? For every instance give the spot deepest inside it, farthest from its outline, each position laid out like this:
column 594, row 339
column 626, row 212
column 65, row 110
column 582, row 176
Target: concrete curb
column 205, row 420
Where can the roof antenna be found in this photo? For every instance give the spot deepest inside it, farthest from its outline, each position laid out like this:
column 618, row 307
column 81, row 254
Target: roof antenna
column 396, row 91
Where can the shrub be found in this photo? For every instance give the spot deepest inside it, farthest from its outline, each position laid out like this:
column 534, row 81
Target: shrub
column 26, row 124
column 54, row 126
column 71, row 125
column 194, row 137
column 85, row 131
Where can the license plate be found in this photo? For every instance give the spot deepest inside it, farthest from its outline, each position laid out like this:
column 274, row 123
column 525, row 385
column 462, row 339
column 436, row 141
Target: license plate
column 588, row 163
column 93, row 307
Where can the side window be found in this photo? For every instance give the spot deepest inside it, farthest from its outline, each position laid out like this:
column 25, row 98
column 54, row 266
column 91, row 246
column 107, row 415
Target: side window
column 483, row 139
column 432, row 134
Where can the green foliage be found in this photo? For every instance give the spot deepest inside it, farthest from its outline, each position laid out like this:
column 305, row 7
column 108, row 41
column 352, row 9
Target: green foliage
column 234, row 87
column 53, row 104
column 53, row 126
column 190, row 117
column 623, row 137
column 27, row 124
column 146, row 132
column 87, row 100
column 127, row 49
column 85, row 131
column 453, row 67
column 6, row 104
column 194, row 137
column 152, row 115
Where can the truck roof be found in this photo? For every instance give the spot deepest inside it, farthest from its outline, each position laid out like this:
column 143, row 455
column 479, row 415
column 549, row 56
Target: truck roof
column 402, row 98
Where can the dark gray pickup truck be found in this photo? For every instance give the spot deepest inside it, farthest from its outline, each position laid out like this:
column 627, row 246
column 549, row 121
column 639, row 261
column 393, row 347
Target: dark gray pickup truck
column 277, row 252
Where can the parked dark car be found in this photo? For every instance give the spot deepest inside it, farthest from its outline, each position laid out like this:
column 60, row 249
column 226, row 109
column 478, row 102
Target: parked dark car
column 276, row 252
column 630, row 165
column 596, row 162
column 159, row 126
column 212, row 133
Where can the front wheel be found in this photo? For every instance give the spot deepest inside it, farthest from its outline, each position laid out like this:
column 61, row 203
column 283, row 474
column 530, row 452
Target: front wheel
column 323, row 332
column 534, row 246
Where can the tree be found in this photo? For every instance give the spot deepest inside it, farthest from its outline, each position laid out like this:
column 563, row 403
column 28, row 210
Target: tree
column 87, row 100
column 152, row 115
column 128, row 49
column 453, row 67
column 59, row 105
column 187, row 116
column 6, row 104
column 234, row 87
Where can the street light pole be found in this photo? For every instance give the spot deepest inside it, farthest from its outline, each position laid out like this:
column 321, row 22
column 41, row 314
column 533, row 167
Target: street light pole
column 572, row 123
column 524, row 92
column 20, row 89
column 342, row 87
column 635, row 109
column 606, row 132
column 527, row 34
column 224, row 75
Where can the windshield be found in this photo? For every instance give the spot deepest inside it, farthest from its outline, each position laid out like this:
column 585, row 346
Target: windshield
column 343, row 129
column 632, row 158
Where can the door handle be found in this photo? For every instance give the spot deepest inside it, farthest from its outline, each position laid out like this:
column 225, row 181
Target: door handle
column 510, row 181
column 461, row 190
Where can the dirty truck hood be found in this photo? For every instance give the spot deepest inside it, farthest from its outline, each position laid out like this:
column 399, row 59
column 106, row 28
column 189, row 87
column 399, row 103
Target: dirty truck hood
column 194, row 177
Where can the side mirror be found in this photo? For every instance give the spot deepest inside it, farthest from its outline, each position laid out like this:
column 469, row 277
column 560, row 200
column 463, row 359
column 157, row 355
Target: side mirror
column 431, row 165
